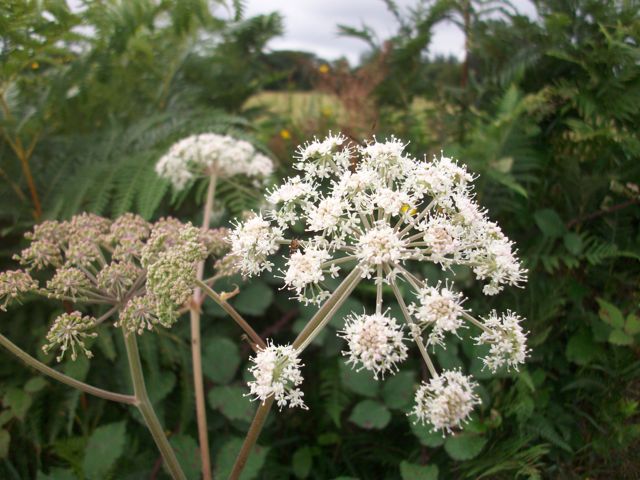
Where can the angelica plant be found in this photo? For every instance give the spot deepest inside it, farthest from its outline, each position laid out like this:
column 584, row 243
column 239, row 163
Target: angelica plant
column 373, row 213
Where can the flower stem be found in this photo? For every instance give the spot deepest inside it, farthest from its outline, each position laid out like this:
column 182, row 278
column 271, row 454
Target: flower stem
column 196, row 346
column 251, row 438
column 61, row 377
column 146, row 409
column 253, row 335
column 328, row 309
column 313, row 327
column 476, row 322
column 413, row 330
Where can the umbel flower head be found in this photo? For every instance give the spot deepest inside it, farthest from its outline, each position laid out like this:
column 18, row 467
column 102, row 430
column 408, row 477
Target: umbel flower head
column 446, row 401
column 140, row 273
column 212, row 154
column 276, row 370
column 375, row 343
column 373, row 211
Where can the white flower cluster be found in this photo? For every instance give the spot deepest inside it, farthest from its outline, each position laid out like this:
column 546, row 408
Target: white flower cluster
column 446, row 401
column 210, row 153
column 438, row 308
column 378, row 206
column 374, row 210
column 507, row 340
column 276, row 370
column 375, row 343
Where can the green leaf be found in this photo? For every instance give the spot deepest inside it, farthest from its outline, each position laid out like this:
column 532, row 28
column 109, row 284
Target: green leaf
column 227, row 456
column 620, row 337
column 573, row 243
column 370, row 414
column 397, row 391
column 230, row 400
column 5, row 440
column 464, row 446
column 411, row 471
column 610, row 314
column 426, row 436
column 632, row 325
column 35, row 384
column 253, row 299
column 302, row 462
column 57, row 474
column 581, row 348
column 104, row 448
column 188, row 454
column 18, row 401
column 549, row 222
column 221, row 359
column 361, row 382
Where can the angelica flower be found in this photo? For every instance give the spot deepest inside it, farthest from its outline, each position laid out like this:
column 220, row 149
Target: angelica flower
column 305, row 272
column 68, row 282
column 251, row 244
column 69, row 331
column 212, row 154
column 507, row 341
column 446, row 401
column 376, row 343
column 439, row 308
column 276, row 371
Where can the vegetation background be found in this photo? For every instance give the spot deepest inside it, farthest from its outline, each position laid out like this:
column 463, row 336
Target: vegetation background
column 546, row 112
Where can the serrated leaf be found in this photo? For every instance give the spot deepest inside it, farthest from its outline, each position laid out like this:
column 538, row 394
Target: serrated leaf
column 188, row 454
column 361, row 382
column 426, row 436
column 302, row 462
column 17, row 401
column 620, row 337
column 464, row 446
column 103, row 450
column 370, row 414
column 573, row 243
column 231, row 402
column 221, row 359
column 35, row 384
column 227, row 456
column 5, row 440
column 397, row 391
column 549, row 222
column 253, row 299
column 411, row 471
column 610, row 314
column 581, row 348
column 632, row 325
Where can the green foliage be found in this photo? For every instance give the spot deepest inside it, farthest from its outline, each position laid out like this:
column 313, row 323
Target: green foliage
column 548, row 120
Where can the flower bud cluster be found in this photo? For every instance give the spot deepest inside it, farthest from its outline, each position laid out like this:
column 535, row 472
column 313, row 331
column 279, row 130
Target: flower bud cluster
column 69, row 331
column 143, row 272
column 14, row 284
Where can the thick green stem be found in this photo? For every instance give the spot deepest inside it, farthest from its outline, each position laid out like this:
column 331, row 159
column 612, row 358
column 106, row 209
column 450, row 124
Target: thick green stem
column 324, row 314
column 313, row 327
column 146, row 409
column 61, row 377
column 251, row 438
column 413, row 330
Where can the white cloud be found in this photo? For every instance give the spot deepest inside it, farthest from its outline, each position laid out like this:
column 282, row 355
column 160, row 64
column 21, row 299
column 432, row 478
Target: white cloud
column 311, row 25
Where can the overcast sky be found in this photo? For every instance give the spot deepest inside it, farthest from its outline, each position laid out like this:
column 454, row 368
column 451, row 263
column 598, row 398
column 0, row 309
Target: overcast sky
column 311, row 25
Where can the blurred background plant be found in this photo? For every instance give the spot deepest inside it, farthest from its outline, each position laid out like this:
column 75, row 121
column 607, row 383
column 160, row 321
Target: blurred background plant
column 545, row 111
